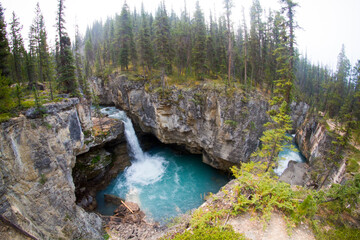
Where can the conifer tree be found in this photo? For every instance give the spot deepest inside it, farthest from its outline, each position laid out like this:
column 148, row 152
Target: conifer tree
column 65, row 61
column 4, row 46
column 163, row 42
column 199, row 51
column 17, row 48
column 274, row 138
column 145, row 46
column 126, row 39
column 228, row 4
column 79, row 64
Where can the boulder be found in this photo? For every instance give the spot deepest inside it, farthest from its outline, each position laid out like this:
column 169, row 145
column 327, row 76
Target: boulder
column 113, row 199
column 295, row 173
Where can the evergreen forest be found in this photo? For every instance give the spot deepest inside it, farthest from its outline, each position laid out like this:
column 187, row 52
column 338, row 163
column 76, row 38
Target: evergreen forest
column 166, row 49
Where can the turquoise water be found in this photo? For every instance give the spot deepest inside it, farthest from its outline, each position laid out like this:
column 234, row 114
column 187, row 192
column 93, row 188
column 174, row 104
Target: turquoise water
column 287, row 155
column 179, row 188
column 163, row 183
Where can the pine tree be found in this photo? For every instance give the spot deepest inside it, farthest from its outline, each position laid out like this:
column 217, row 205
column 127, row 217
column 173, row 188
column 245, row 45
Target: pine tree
column 146, row 52
column 4, row 46
column 274, row 139
column 163, row 42
column 228, row 4
column 79, row 64
column 65, row 61
column 199, row 51
column 17, row 48
column 126, row 39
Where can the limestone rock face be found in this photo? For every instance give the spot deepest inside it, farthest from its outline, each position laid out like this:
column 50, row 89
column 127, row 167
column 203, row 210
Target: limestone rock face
column 224, row 129
column 295, row 173
column 315, row 142
column 37, row 193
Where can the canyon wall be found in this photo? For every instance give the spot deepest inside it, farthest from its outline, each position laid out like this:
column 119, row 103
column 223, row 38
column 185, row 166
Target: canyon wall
column 315, row 142
column 224, row 127
column 37, row 193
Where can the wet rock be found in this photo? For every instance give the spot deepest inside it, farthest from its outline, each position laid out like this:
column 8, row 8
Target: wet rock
column 295, row 173
column 113, row 199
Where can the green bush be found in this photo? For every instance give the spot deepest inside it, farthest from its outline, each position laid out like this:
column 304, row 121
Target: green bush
column 352, row 166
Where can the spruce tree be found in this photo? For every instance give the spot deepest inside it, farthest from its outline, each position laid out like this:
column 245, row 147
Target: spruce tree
column 4, row 46
column 65, row 61
column 17, row 48
column 145, row 46
column 274, row 139
column 126, row 39
column 199, row 51
column 163, row 42
column 228, row 4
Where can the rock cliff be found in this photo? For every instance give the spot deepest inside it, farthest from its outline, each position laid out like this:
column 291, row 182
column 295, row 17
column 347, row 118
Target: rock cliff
column 37, row 193
column 224, row 127
column 315, row 142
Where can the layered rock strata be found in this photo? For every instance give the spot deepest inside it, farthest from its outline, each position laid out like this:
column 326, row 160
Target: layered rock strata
column 37, row 193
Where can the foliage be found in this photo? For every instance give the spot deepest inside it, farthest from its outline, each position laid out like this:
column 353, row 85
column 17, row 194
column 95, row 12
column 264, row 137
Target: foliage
column 106, row 236
column 4, row 46
column 42, row 179
column 345, row 197
column 6, row 102
column 274, row 139
column 207, row 225
column 231, row 123
column 353, row 165
column 259, row 191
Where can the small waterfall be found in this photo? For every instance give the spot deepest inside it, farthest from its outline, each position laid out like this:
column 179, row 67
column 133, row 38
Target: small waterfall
column 163, row 183
column 145, row 169
column 134, row 146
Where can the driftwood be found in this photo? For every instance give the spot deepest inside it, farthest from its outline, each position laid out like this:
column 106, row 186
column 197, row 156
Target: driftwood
column 127, row 207
column 16, row 227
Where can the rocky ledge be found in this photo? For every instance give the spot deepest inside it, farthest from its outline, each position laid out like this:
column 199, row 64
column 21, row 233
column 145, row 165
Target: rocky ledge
column 37, row 155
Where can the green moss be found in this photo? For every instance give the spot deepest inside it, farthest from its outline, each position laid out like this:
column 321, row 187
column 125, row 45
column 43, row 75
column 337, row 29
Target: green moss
column 353, row 166
column 4, row 117
column 87, row 133
column 95, row 159
column 210, row 233
column 106, row 236
column 47, row 125
column 28, row 103
column 43, row 179
column 339, row 233
column 231, row 123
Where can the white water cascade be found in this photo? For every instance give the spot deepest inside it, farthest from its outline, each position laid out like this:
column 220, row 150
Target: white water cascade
column 145, row 169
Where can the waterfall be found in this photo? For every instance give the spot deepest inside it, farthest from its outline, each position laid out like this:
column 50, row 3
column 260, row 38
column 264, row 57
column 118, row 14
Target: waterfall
column 134, row 146
column 144, row 169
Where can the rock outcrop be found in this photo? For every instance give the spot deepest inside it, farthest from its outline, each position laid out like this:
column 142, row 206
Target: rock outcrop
column 315, row 142
column 295, row 173
column 37, row 193
column 224, row 127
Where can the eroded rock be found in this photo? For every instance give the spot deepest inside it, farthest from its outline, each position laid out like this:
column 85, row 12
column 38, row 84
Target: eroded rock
column 37, row 189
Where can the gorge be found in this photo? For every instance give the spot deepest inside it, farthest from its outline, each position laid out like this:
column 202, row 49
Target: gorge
column 37, row 172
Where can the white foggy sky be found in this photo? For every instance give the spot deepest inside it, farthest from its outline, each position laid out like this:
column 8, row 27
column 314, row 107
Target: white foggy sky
column 325, row 24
